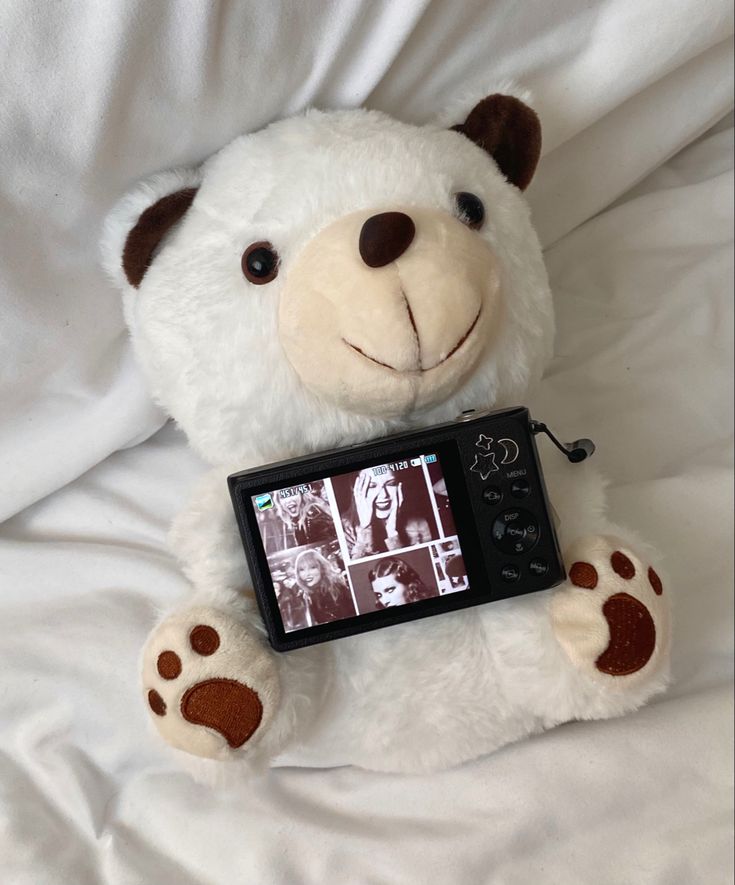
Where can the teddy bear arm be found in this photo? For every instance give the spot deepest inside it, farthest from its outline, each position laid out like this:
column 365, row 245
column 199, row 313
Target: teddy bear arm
column 602, row 646
column 213, row 686
column 205, row 539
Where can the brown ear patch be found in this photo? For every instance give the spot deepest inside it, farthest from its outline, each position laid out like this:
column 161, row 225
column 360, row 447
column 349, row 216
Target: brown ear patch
column 151, row 228
column 510, row 132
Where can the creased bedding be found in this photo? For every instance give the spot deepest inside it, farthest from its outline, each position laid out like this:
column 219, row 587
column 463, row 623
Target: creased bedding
column 633, row 200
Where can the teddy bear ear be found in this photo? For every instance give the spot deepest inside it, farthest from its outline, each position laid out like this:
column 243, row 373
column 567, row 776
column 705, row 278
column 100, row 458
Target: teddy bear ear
column 137, row 225
column 510, row 132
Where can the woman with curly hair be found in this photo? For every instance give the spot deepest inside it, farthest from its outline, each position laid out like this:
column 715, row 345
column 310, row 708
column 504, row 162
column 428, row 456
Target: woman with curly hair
column 394, row 582
column 327, row 596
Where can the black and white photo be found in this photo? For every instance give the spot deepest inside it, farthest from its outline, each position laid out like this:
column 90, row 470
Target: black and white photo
column 385, row 508
column 393, row 580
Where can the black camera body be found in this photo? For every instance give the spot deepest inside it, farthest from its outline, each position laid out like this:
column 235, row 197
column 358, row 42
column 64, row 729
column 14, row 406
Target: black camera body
column 403, row 527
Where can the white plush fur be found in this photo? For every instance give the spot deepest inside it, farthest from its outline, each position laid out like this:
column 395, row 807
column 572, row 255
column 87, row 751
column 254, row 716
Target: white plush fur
column 224, row 358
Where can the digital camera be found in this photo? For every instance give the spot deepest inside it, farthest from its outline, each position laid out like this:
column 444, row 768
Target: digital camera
column 399, row 528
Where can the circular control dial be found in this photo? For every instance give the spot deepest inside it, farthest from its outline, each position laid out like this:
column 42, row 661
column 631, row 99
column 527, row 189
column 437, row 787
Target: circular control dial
column 516, row 531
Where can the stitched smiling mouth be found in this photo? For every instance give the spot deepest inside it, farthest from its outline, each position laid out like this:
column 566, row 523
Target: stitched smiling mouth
column 435, row 366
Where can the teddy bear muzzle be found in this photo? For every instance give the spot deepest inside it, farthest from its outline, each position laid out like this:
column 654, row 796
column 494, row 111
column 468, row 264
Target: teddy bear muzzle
column 383, row 312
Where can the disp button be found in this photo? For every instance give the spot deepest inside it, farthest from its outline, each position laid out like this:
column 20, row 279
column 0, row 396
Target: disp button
column 515, row 531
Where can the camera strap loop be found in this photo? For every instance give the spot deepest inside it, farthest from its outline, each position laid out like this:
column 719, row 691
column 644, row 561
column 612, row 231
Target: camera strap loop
column 576, row 451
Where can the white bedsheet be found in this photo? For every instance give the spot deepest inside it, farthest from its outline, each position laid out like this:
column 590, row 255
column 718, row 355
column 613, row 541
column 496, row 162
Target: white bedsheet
column 634, row 202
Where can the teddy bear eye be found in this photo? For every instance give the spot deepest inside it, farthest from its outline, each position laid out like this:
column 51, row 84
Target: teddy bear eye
column 470, row 208
column 260, row 263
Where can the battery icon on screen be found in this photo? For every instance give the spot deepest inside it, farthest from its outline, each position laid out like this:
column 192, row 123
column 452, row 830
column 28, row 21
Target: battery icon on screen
column 415, row 462
column 429, row 459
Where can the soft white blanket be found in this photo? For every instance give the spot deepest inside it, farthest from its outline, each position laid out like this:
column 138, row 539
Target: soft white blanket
column 634, row 203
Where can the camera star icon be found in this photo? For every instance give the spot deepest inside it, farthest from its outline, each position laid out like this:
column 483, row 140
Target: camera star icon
column 484, row 465
column 508, row 447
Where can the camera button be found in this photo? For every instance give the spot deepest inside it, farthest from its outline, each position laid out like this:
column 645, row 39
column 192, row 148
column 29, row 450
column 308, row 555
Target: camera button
column 515, row 531
column 510, row 573
column 492, row 495
column 538, row 567
column 520, row 488
column 466, row 415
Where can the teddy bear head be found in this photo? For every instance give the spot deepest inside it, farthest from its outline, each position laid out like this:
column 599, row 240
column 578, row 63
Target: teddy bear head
column 336, row 276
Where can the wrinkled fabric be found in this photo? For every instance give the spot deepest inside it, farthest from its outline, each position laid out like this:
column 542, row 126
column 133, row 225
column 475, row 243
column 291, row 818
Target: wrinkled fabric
column 633, row 200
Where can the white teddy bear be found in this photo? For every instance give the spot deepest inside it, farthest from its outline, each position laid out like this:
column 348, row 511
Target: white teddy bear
column 330, row 279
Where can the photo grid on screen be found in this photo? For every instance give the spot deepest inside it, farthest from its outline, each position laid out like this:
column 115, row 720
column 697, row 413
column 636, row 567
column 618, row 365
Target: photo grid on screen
column 360, row 542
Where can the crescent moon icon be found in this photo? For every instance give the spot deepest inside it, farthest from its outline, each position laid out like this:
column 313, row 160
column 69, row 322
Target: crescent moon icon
column 510, row 450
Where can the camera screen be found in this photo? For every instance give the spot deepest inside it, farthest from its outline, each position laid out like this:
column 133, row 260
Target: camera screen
column 361, row 541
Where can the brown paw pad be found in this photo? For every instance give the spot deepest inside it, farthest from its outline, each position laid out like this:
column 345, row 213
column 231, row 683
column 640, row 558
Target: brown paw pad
column 204, row 640
column 156, row 703
column 632, row 636
column 583, row 574
column 622, row 566
column 655, row 582
column 227, row 706
column 168, row 665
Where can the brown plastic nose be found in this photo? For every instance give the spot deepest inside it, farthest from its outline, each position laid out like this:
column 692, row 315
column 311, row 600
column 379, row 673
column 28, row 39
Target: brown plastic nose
column 385, row 237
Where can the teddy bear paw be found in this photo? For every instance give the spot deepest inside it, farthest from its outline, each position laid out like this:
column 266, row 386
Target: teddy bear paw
column 611, row 618
column 210, row 684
